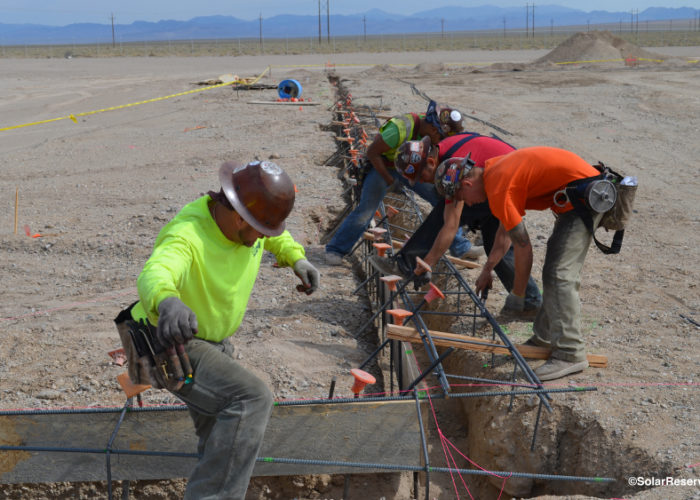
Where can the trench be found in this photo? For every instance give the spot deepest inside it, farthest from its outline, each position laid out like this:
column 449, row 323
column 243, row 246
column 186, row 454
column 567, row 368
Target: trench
column 569, row 441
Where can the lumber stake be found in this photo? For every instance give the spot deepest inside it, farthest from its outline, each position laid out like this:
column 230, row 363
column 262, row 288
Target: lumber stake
column 16, row 206
column 445, row 339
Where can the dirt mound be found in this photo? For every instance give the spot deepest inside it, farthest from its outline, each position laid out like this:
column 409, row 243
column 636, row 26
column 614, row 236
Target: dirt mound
column 430, row 68
column 379, row 69
column 298, row 74
column 596, row 46
column 507, row 66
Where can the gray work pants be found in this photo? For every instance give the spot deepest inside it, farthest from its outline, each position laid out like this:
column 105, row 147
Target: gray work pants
column 230, row 408
column 558, row 322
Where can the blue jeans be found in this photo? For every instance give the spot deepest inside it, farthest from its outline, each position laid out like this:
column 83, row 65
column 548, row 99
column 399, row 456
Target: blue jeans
column 476, row 217
column 373, row 191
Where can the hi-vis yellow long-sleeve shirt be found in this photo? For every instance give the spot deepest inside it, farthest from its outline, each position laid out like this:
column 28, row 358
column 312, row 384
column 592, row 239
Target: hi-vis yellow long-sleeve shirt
column 212, row 275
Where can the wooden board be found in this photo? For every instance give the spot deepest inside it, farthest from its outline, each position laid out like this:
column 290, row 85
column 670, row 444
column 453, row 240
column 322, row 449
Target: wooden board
column 408, row 334
column 468, row 264
column 397, row 245
column 356, row 432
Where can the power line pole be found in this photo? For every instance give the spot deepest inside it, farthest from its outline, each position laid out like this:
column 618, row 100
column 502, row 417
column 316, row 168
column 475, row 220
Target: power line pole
column 504, row 26
column 632, row 21
column 319, row 23
column 527, row 20
column 113, row 30
column 364, row 26
column 261, row 38
column 328, row 20
column 533, row 20
column 442, row 28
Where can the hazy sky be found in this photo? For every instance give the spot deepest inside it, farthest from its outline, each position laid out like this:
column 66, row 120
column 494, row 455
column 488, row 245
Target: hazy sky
column 62, row 12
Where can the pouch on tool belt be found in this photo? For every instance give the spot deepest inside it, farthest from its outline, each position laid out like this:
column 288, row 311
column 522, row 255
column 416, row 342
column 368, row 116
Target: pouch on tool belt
column 362, row 170
column 147, row 359
column 616, row 218
column 616, row 194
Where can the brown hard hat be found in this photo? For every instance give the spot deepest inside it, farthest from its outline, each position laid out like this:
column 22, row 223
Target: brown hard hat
column 260, row 192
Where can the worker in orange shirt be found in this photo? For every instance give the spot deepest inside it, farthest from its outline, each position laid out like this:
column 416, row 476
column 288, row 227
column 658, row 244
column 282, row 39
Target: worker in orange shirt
column 529, row 179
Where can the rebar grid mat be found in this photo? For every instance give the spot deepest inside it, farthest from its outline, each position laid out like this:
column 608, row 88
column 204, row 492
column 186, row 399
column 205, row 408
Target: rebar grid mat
column 468, row 305
column 419, row 397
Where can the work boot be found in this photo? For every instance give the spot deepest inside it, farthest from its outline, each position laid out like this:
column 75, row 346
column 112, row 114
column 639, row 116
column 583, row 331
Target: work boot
column 557, row 368
column 473, row 253
column 386, row 265
column 333, row 259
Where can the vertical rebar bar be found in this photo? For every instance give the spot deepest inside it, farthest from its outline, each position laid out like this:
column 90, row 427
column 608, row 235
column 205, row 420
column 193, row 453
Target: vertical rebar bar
column 424, row 445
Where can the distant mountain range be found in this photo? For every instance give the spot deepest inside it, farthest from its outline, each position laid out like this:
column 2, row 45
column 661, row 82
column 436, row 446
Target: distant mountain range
column 290, row 26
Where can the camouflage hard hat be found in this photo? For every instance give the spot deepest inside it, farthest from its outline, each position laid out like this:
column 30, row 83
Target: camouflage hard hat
column 411, row 158
column 449, row 174
column 446, row 119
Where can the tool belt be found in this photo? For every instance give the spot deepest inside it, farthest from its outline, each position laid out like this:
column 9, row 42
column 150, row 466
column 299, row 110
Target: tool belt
column 148, row 361
column 609, row 193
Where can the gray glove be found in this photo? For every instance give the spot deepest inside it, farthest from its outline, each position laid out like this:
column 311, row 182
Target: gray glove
column 422, row 279
column 514, row 303
column 308, row 275
column 395, row 187
column 176, row 322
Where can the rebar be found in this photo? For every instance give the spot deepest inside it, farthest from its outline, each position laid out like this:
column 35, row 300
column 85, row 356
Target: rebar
column 427, row 469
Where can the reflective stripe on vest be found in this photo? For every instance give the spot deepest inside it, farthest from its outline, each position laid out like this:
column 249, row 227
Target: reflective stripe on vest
column 405, row 124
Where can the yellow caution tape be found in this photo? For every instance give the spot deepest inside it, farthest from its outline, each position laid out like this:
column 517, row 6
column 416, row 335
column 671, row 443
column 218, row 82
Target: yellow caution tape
column 591, row 61
column 74, row 117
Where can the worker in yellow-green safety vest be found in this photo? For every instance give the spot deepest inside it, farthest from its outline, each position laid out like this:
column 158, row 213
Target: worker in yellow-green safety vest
column 193, row 293
column 381, row 177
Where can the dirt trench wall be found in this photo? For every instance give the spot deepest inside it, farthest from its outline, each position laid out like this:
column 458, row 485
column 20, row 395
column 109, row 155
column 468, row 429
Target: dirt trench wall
column 568, row 442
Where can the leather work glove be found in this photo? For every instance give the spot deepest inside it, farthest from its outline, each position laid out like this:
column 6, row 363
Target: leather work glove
column 395, row 187
column 514, row 303
column 422, row 279
column 176, row 322
column 308, row 275
column 484, row 281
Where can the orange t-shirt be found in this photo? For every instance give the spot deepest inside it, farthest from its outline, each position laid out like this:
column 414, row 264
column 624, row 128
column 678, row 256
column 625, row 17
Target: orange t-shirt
column 527, row 179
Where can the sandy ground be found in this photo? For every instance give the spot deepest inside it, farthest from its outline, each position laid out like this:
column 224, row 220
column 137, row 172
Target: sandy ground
column 99, row 190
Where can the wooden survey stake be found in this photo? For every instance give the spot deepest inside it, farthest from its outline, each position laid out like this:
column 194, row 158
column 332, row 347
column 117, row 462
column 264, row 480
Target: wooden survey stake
column 445, row 339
